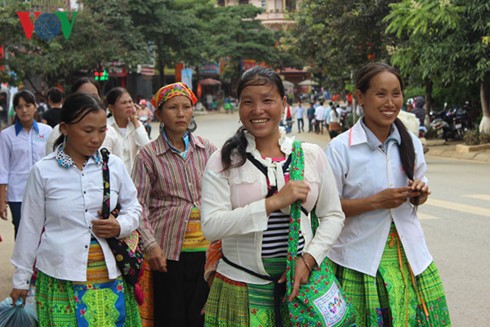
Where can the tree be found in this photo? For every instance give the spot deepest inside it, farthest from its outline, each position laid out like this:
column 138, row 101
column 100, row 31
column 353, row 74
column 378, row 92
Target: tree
column 337, row 37
column 458, row 52
column 58, row 59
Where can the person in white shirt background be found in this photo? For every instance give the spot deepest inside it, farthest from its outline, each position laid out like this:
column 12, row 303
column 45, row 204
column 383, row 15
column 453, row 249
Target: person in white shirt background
column 319, row 118
column 21, row 146
column 244, row 208
column 382, row 260
column 300, row 114
column 130, row 134
column 63, row 233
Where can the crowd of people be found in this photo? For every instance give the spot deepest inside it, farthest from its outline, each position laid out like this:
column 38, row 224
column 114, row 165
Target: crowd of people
column 215, row 223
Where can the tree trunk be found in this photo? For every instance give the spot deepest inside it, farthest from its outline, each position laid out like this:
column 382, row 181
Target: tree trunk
column 428, row 99
column 161, row 63
column 485, row 104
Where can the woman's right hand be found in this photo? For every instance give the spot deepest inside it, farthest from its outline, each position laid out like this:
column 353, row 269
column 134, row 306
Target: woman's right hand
column 16, row 294
column 291, row 192
column 156, row 258
column 391, row 198
column 3, row 210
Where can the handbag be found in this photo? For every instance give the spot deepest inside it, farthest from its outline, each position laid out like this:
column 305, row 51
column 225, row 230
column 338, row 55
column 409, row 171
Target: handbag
column 321, row 302
column 128, row 251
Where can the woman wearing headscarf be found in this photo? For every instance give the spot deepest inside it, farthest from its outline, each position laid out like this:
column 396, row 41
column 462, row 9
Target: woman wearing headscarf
column 168, row 174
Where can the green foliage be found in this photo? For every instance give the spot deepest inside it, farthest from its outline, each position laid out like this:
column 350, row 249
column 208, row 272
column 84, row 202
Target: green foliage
column 58, row 59
column 336, row 37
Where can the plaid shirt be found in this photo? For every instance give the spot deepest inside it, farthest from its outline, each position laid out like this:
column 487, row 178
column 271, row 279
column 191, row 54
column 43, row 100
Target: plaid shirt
column 169, row 186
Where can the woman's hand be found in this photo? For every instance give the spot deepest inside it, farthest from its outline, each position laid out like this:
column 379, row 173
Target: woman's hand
column 3, row 210
column 420, row 189
column 392, row 197
column 16, row 294
column 291, row 192
column 156, row 258
column 106, row 228
column 135, row 117
column 302, row 273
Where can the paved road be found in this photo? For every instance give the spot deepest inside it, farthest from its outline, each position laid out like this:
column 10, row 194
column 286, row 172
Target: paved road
column 456, row 222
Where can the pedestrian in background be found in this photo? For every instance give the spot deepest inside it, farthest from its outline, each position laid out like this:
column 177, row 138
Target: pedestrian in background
column 21, row 146
column 63, row 233
column 128, row 135
column 168, row 175
column 300, row 113
column 83, row 85
column 249, row 209
column 310, row 114
column 319, row 118
column 382, row 260
column 55, row 101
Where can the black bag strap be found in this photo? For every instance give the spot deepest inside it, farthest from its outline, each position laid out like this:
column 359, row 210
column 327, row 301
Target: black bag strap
column 263, row 169
column 279, row 288
column 106, row 210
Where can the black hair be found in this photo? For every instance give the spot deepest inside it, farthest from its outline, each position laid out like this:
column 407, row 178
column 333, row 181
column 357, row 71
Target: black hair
column 406, row 148
column 114, row 94
column 82, row 81
column 28, row 98
column 55, row 95
column 75, row 108
column 237, row 144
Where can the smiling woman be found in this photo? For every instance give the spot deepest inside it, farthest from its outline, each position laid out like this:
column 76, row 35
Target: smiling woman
column 246, row 198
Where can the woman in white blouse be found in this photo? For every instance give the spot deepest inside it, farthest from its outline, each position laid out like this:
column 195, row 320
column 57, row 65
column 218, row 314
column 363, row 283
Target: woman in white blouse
column 62, row 232
column 21, row 146
column 129, row 135
column 248, row 210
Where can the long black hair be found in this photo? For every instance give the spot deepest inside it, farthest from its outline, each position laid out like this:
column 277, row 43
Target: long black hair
column 406, row 148
column 237, row 144
column 75, row 108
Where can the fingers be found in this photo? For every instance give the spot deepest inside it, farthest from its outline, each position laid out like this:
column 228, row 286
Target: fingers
column 106, row 228
column 419, row 186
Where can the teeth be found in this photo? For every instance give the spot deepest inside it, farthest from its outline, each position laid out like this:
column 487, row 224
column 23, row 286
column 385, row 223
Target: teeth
column 259, row 121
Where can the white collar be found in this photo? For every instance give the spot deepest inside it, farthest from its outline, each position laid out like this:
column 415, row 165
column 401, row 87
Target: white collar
column 274, row 169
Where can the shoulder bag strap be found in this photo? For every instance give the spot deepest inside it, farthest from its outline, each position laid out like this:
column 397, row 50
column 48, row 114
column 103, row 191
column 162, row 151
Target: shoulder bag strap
column 106, row 200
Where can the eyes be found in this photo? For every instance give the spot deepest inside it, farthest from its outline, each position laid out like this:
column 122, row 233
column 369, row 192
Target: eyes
column 184, row 107
column 249, row 102
column 394, row 94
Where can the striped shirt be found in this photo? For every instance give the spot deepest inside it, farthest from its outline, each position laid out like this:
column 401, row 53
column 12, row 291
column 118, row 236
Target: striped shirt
column 275, row 238
column 169, row 186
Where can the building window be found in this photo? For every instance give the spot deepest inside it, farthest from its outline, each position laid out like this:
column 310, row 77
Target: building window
column 243, row 2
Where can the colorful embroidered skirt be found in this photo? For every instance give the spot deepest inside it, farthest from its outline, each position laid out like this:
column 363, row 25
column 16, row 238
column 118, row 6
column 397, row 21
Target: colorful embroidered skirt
column 236, row 304
column 146, row 309
column 98, row 302
column 395, row 297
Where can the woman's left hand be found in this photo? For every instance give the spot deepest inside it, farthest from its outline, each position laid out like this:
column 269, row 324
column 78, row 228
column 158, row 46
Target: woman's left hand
column 301, row 273
column 106, row 228
column 420, row 189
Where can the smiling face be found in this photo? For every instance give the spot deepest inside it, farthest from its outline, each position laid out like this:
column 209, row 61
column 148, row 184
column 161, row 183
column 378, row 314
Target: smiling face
column 85, row 137
column 176, row 115
column 123, row 108
column 260, row 109
column 382, row 102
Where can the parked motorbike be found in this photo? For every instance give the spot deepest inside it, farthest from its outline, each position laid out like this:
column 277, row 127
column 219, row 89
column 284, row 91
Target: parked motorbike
column 450, row 123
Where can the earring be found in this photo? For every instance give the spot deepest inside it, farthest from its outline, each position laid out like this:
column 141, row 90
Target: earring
column 64, row 140
column 161, row 128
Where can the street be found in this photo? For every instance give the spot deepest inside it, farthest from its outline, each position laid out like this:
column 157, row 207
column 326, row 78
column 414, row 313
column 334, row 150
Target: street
column 456, row 221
